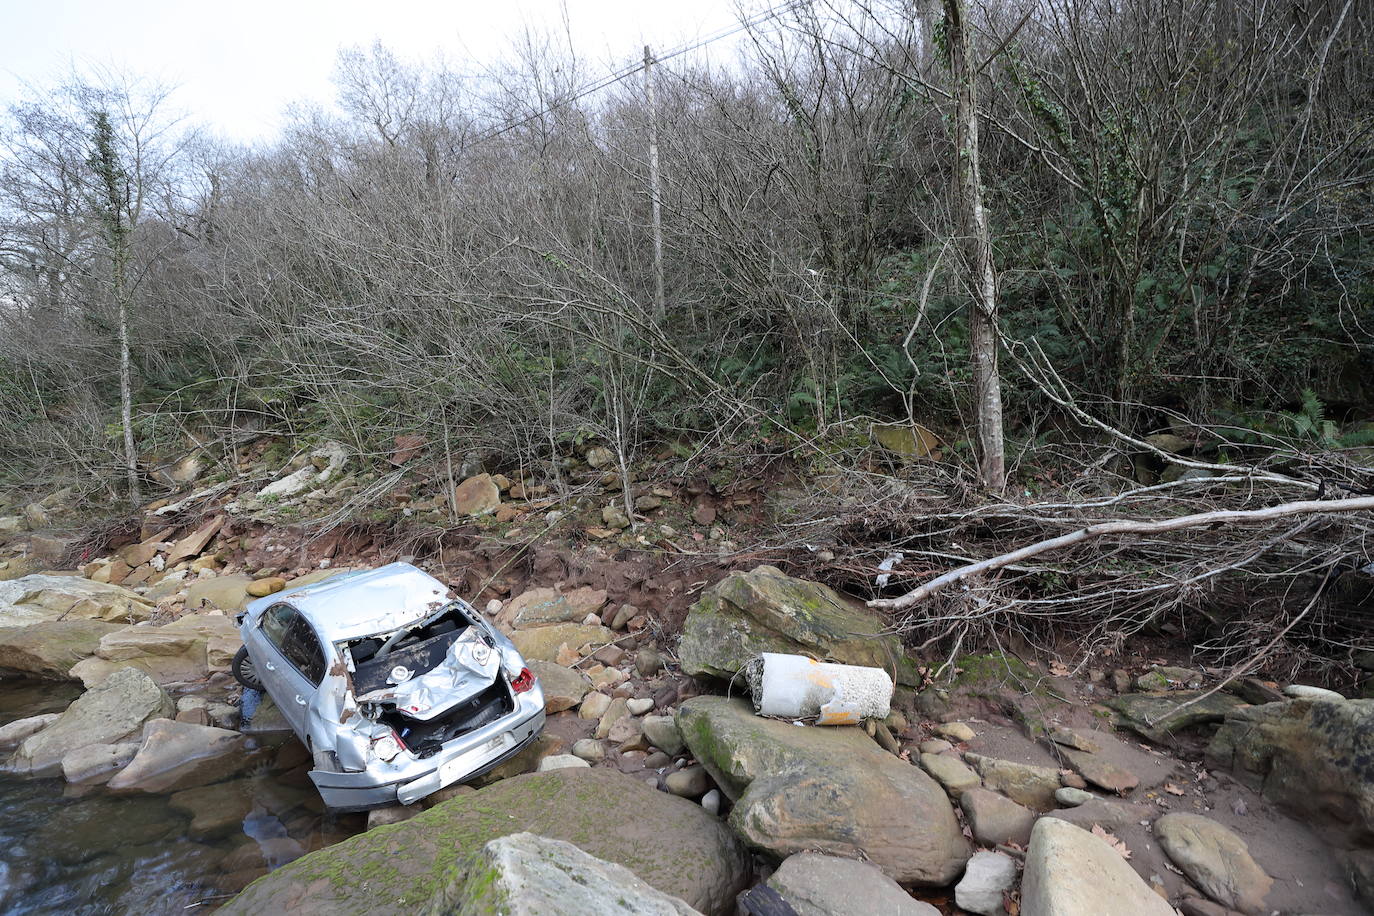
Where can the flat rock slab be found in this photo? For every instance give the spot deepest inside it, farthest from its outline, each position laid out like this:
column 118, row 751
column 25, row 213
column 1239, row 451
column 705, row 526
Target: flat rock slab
column 1024, row 784
column 36, row 598
column 1070, row 872
column 542, row 606
column 1100, row 771
column 543, row 642
column 1161, row 716
column 528, row 875
column 950, row 772
column 172, row 653
column 12, row 733
column 764, row 610
column 49, row 649
column 179, row 755
column 670, row 843
column 228, row 593
column 817, row 885
column 97, row 763
column 104, row 715
column 1215, row 860
column 824, row 789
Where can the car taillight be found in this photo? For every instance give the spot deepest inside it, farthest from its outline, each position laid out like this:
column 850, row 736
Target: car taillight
column 522, row 681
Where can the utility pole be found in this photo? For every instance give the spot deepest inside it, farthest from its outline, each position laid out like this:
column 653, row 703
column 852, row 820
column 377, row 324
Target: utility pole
column 660, row 309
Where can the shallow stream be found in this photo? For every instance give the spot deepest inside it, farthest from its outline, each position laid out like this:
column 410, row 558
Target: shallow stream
column 65, row 849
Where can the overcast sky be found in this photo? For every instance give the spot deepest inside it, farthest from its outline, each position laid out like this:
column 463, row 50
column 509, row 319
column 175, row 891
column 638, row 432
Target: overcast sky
column 239, row 64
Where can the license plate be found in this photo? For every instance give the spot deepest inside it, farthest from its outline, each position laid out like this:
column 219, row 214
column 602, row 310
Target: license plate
column 459, row 766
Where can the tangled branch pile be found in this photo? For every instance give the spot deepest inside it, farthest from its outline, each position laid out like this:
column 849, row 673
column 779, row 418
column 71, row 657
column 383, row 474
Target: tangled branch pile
column 1250, row 564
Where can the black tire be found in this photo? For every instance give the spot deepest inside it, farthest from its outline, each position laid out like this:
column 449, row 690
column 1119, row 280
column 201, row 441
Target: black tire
column 244, row 670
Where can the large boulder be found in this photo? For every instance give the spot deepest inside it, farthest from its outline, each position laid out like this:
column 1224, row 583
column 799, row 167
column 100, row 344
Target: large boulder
column 669, row 842
column 38, row 598
column 540, row 606
column 544, row 642
column 817, row 885
column 115, row 709
column 528, row 875
column 228, row 593
column 1214, row 859
column 179, row 755
column 746, row 614
column 186, row 649
column 1070, row 872
column 1312, row 757
column 563, row 687
column 829, row 790
column 49, row 650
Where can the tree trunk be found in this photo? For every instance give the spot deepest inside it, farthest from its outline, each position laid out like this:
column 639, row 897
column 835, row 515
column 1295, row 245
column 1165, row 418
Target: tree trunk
column 126, row 388
column 973, row 223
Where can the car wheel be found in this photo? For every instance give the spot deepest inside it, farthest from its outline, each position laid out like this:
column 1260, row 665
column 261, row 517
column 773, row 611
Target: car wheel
column 244, row 670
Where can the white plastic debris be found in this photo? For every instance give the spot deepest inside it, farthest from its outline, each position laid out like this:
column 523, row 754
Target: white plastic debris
column 792, row 686
column 885, row 568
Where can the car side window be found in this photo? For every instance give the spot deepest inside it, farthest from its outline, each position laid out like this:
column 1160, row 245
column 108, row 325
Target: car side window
column 276, row 623
column 303, row 650
column 285, row 628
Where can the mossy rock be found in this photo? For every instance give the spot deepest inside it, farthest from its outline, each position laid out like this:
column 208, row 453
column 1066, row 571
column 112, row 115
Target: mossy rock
column 1313, row 757
column 764, row 610
column 826, row 789
column 998, row 679
column 992, row 672
column 410, row 867
column 1161, row 716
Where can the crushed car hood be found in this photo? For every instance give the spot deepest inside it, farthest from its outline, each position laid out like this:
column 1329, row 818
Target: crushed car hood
column 469, row 667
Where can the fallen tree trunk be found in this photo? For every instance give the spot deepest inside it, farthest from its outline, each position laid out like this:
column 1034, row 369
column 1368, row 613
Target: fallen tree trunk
column 1124, row 526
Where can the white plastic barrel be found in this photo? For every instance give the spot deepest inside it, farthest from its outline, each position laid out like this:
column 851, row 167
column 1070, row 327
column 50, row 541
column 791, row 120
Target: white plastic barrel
column 794, row 686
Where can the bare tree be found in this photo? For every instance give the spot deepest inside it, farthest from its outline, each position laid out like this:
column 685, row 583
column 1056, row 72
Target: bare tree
column 111, row 202
column 973, row 226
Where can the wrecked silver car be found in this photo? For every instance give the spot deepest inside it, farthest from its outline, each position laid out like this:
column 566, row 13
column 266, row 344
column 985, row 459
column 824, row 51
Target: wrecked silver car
column 395, row 689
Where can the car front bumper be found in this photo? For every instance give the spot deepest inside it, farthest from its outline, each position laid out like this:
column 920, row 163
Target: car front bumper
column 462, row 758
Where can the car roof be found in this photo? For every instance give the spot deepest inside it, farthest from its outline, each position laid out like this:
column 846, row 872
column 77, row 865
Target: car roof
column 353, row 605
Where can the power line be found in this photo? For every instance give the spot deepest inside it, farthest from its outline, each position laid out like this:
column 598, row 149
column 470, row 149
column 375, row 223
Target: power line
column 631, row 69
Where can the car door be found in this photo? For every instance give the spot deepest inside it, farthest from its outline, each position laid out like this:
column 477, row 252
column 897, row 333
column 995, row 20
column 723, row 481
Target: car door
column 293, row 662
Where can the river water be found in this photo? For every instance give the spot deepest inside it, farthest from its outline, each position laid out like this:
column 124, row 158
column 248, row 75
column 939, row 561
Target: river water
column 91, row 852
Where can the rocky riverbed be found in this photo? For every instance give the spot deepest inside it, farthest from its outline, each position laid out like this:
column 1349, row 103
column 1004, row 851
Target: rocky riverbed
column 1004, row 786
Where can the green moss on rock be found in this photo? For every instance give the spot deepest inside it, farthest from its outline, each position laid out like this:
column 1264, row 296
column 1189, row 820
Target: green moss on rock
column 671, row 843
column 746, row 614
